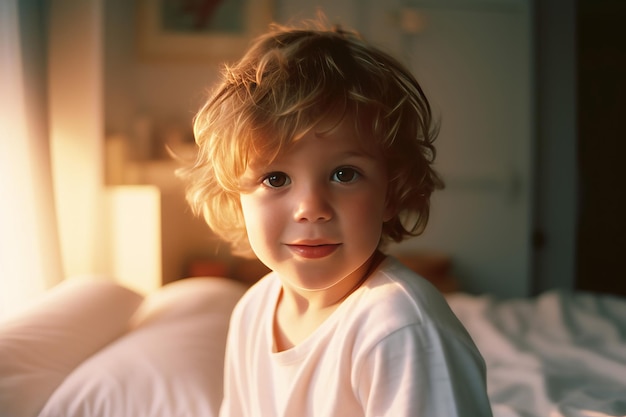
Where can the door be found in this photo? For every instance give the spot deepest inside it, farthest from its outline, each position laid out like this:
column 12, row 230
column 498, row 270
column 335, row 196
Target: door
column 474, row 64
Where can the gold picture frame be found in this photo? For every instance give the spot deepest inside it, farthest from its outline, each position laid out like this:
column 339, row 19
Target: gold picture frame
column 175, row 40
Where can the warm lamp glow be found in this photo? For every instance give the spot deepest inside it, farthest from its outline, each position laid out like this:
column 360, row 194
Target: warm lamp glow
column 134, row 236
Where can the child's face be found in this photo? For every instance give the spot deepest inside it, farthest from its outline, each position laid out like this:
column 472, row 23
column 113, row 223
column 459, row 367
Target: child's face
column 315, row 214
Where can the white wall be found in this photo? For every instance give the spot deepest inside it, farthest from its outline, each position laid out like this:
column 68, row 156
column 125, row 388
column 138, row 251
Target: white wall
column 168, row 91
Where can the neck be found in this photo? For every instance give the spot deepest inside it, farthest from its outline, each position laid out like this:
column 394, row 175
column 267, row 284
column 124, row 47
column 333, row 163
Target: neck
column 304, row 299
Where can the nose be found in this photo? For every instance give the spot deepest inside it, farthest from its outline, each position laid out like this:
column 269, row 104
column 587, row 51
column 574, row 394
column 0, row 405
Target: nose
column 313, row 205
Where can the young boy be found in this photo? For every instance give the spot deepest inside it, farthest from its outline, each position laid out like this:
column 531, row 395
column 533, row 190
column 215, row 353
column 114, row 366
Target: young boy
column 314, row 151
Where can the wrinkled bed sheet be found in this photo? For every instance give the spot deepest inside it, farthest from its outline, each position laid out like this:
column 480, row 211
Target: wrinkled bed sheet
column 555, row 355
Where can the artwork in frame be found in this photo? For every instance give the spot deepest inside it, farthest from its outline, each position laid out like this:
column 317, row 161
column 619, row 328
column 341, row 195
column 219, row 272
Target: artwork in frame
column 207, row 30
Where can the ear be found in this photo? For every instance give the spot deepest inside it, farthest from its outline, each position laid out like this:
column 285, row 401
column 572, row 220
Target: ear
column 390, row 211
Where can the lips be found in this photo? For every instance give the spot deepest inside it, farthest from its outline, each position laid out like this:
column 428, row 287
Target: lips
column 313, row 251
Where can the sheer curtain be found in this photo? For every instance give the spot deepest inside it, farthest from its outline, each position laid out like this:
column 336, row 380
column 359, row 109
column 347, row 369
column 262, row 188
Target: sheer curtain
column 30, row 259
column 51, row 146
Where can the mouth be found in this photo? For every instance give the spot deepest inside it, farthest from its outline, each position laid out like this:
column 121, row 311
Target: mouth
column 313, row 250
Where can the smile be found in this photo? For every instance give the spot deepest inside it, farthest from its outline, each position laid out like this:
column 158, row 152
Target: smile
column 314, row 251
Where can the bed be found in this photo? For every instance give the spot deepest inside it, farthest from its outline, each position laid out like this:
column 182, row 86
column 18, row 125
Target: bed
column 560, row 354
column 91, row 347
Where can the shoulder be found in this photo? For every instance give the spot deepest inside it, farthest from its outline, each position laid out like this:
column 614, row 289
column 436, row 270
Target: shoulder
column 396, row 288
column 257, row 298
column 397, row 299
column 407, row 332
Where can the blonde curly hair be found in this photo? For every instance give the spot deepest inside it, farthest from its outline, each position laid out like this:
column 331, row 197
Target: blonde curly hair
column 290, row 79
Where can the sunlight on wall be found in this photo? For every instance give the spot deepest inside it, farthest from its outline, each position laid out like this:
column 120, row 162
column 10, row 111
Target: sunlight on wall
column 76, row 131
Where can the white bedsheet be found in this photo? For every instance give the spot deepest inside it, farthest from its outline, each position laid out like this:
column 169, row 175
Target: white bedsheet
column 556, row 355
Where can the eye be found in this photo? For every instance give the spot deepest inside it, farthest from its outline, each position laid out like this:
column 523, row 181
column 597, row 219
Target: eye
column 345, row 175
column 276, row 180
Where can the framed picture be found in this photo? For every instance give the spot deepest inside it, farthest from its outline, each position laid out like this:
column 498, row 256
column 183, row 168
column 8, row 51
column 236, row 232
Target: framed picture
column 207, row 30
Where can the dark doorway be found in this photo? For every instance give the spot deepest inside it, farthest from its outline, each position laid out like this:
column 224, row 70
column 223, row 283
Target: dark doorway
column 601, row 248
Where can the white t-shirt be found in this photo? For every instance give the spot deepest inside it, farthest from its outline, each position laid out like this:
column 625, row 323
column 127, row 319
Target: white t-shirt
column 392, row 348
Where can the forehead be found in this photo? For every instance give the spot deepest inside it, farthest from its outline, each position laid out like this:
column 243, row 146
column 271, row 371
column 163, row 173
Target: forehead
column 341, row 135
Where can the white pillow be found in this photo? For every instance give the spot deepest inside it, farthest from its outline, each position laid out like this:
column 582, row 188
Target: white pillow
column 44, row 343
column 171, row 364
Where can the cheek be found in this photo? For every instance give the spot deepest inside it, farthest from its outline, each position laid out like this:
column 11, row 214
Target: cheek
column 372, row 204
column 261, row 221
column 366, row 216
column 375, row 211
column 251, row 215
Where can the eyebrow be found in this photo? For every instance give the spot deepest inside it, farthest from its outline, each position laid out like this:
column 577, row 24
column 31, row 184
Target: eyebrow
column 258, row 167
